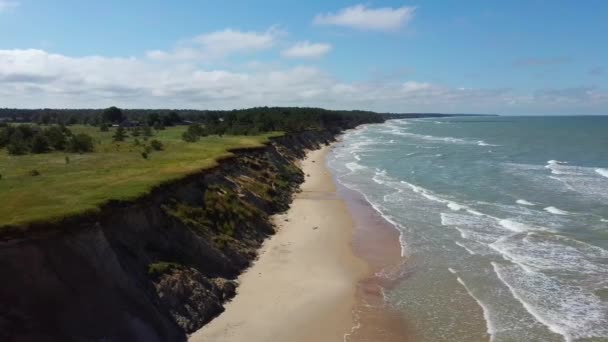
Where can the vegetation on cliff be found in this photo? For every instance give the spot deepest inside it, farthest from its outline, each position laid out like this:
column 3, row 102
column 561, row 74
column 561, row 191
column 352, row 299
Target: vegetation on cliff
column 70, row 183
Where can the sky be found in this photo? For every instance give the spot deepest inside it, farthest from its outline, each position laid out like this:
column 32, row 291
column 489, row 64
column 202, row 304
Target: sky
column 517, row 57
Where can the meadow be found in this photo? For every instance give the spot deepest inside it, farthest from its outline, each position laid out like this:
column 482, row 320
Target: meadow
column 71, row 183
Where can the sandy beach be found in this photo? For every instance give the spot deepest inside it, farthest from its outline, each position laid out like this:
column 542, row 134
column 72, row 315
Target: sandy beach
column 303, row 286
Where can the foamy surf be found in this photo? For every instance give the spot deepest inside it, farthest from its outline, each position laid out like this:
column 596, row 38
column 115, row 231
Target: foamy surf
column 468, row 208
column 556, row 211
column 524, row 202
column 484, row 308
column 602, row 172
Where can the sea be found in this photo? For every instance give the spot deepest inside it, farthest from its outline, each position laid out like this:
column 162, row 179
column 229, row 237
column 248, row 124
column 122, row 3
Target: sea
column 503, row 222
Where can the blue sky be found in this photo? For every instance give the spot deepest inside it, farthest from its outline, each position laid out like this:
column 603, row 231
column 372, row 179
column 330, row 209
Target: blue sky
column 507, row 57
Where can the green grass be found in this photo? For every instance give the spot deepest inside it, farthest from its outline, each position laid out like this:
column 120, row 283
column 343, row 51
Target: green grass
column 115, row 171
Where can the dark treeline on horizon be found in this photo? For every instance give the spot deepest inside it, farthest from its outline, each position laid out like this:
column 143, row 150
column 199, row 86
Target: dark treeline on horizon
column 241, row 121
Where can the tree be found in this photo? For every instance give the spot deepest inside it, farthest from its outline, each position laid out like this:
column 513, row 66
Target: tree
column 113, row 114
column 40, row 143
column 135, row 131
column 56, row 137
column 81, row 143
column 120, row 134
column 104, row 127
column 156, row 145
column 190, row 137
column 17, row 144
column 159, row 126
column 147, row 131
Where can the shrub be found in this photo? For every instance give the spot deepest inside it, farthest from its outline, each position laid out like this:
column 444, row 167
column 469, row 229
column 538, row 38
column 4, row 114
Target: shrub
column 135, row 131
column 159, row 268
column 120, row 134
column 40, row 143
column 34, row 173
column 57, row 137
column 17, row 147
column 156, row 145
column 147, row 131
column 104, row 127
column 144, row 155
column 81, row 143
column 189, row 137
column 67, row 159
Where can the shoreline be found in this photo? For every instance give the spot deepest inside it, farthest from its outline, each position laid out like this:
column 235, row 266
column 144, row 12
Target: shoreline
column 377, row 242
column 303, row 286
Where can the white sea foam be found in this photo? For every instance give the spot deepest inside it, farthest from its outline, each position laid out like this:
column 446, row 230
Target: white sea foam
column 453, row 271
column 602, row 172
column 556, row 211
column 515, row 226
column 353, row 166
column 531, row 309
column 524, row 202
column 490, row 326
column 455, row 206
column 483, row 143
column 569, row 310
column 470, row 251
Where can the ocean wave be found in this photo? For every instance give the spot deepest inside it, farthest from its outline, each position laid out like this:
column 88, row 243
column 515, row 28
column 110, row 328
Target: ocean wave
column 470, row 251
column 515, row 226
column 602, row 172
column 354, row 167
column 524, row 202
column 490, row 326
column 556, row 211
column 568, row 310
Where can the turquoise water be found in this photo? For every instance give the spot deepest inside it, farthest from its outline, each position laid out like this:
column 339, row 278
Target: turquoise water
column 504, row 221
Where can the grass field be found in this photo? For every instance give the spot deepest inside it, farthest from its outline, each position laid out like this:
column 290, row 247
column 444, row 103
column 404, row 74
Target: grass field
column 115, row 171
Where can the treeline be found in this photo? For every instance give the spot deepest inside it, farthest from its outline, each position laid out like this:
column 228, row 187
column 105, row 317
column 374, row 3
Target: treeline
column 237, row 122
column 24, row 139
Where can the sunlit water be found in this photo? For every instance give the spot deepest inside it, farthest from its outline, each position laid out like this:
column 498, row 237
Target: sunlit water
column 504, row 221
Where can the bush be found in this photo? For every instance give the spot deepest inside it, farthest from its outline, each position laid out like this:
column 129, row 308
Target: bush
column 160, row 268
column 57, row 137
column 144, row 155
column 40, row 144
column 156, row 145
column 190, row 137
column 17, row 147
column 104, row 127
column 34, row 173
column 81, row 143
column 120, row 134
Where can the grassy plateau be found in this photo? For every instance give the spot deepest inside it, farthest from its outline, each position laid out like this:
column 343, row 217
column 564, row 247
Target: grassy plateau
column 115, row 171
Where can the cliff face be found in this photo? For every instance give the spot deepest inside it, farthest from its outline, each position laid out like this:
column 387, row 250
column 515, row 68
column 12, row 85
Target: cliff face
column 153, row 269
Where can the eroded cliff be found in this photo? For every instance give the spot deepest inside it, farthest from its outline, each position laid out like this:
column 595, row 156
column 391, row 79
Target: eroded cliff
column 153, row 269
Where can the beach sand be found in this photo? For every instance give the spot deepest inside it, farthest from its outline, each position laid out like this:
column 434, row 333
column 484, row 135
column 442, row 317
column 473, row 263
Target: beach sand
column 304, row 285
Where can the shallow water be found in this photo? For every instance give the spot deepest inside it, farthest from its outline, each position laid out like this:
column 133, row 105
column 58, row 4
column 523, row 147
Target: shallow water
column 504, row 222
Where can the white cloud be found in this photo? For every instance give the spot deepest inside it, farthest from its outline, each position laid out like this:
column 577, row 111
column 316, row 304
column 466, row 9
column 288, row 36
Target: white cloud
column 306, row 50
column 220, row 44
column 364, row 18
column 6, row 5
column 36, row 78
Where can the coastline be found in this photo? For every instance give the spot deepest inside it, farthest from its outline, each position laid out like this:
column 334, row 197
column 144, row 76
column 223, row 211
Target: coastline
column 303, row 287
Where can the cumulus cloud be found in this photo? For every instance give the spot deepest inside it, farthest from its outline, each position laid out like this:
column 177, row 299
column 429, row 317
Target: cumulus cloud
column 37, row 78
column 6, row 5
column 306, row 50
column 365, row 18
column 220, row 44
